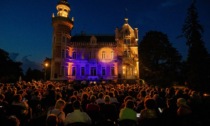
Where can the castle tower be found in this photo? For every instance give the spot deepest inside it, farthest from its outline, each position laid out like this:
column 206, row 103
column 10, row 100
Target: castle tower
column 127, row 41
column 62, row 26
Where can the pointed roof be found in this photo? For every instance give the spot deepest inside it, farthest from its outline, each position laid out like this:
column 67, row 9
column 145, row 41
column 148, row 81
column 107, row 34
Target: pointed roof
column 126, row 28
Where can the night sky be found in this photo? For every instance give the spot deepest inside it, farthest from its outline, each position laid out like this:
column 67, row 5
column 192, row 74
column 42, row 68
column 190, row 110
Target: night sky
column 26, row 31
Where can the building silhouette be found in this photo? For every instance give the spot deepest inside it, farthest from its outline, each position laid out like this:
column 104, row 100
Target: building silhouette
column 92, row 57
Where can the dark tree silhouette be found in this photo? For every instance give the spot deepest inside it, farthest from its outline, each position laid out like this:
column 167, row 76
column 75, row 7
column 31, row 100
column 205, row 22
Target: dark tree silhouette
column 10, row 71
column 33, row 75
column 197, row 64
column 159, row 61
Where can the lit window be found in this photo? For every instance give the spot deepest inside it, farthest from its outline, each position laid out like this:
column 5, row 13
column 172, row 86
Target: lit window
column 129, row 54
column 112, row 55
column 103, row 55
column 127, row 41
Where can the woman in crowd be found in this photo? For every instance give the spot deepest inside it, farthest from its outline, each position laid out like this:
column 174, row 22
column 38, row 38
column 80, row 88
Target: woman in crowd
column 58, row 111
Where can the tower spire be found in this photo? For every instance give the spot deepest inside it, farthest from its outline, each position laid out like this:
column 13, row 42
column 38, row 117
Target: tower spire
column 63, row 8
column 126, row 10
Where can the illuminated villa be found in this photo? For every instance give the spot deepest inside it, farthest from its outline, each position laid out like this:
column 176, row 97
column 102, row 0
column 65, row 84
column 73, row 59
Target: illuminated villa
column 92, row 58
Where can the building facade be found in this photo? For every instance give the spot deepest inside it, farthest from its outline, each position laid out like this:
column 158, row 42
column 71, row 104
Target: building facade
column 92, row 57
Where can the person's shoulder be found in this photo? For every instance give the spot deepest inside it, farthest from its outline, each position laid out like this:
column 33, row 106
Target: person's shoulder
column 84, row 113
column 69, row 114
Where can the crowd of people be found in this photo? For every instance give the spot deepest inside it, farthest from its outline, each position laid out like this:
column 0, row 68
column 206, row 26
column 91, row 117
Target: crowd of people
column 62, row 104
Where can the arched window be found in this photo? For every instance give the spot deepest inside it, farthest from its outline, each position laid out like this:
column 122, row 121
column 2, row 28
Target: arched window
column 103, row 55
column 129, row 54
column 112, row 55
column 127, row 41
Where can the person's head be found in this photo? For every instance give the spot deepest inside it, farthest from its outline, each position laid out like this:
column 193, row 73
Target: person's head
column 127, row 98
column 100, row 95
column 75, row 93
column 107, row 99
column 181, row 102
column 149, row 103
column 85, row 96
column 129, row 104
column 18, row 98
column 60, row 104
column 178, row 92
column 13, row 121
column 76, row 104
column 73, row 98
column 52, row 120
column 92, row 98
column 143, row 93
column 111, row 94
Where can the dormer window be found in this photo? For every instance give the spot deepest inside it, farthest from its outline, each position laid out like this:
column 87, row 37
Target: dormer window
column 93, row 40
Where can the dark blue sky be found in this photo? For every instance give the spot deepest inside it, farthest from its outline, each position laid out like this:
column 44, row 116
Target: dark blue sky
column 26, row 31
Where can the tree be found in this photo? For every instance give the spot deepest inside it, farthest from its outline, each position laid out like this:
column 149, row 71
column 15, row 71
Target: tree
column 159, row 61
column 10, row 71
column 197, row 62
column 33, row 75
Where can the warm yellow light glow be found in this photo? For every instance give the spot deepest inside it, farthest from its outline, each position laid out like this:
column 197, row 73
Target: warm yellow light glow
column 123, row 67
column 63, row 10
column 135, row 71
column 46, row 64
column 106, row 54
column 206, row 95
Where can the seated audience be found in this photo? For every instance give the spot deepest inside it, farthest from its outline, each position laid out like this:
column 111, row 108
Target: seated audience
column 150, row 109
column 128, row 111
column 13, row 121
column 77, row 115
column 58, row 111
column 183, row 108
column 108, row 110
